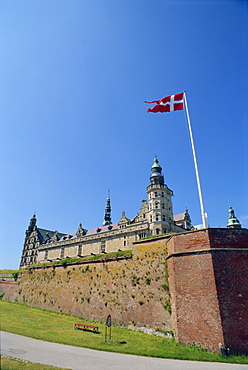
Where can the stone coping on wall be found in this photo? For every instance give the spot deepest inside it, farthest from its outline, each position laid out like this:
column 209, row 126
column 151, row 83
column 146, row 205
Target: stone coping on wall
column 207, row 241
column 10, row 276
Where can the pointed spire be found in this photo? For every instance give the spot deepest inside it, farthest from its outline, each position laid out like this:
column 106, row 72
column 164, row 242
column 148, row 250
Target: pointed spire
column 107, row 214
column 233, row 222
column 32, row 225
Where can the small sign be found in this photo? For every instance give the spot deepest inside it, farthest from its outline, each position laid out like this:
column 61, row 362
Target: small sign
column 108, row 322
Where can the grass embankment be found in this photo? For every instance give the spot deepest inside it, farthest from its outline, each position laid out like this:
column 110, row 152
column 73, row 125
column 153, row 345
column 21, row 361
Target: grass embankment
column 13, row 364
column 10, row 271
column 54, row 327
column 93, row 258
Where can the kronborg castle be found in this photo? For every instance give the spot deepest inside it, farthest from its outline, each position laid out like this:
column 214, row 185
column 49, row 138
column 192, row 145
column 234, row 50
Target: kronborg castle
column 155, row 217
column 155, row 271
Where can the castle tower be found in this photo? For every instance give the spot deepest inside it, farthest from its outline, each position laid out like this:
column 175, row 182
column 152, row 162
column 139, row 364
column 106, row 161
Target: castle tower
column 107, row 214
column 233, row 222
column 160, row 214
column 29, row 252
column 32, row 225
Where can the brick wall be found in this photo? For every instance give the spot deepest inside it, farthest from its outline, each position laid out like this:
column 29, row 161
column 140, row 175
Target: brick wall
column 208, row 275
column 230, row 263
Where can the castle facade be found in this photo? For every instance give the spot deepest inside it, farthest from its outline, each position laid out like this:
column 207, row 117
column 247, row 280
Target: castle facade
column 155, row 217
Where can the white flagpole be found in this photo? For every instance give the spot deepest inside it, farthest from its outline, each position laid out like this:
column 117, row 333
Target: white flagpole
column 203, row 214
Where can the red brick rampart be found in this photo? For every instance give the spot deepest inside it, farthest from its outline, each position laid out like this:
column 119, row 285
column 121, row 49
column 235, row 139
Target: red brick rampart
column 208, row 278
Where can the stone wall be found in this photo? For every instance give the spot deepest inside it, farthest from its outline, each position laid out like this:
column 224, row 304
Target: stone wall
column 134, row 291
column 9, row 290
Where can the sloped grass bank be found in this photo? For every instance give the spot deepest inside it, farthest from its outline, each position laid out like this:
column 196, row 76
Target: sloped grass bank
column 54, row 327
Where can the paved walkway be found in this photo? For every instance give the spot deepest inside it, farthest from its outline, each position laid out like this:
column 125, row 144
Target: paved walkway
column 76, row 358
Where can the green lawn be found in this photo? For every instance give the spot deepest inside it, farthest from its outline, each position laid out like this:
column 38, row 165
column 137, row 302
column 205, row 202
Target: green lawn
column 13, row 364
column 54, row 327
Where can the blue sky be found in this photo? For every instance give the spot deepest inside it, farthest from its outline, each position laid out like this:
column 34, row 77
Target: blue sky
column 75, row 75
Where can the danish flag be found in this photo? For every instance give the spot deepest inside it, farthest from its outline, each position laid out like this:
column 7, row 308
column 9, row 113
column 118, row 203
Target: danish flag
column 168, row 104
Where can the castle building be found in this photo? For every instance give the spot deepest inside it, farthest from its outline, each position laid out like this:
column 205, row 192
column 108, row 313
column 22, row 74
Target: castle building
column 155, row 217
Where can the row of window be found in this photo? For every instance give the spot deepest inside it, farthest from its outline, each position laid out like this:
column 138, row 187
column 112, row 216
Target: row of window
column 27, row 260
column 80, row 249
column 156, row 194
column 158, row 231
column 157, row 218
column 33, row 252
column 32, row 240
column 31, row 246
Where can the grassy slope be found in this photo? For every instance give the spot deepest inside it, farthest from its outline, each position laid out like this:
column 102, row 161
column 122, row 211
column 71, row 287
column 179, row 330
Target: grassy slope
column 54, row 327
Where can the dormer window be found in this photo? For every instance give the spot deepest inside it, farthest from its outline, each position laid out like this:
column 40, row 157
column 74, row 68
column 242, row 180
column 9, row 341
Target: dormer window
column 98, row 229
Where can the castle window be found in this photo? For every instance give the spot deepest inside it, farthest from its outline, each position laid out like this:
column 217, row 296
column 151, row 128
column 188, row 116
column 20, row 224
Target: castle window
column 156, row 217
column 103, row 246
column 62, row 253
column 124, row 244
column 163, row 217
column 79, row 250
column 157, row 231
column 155, row 194
column 156, row 205
column 164, row 231
column 163, row 205
column 150, row 218
column 46, row 255
column 162, row 194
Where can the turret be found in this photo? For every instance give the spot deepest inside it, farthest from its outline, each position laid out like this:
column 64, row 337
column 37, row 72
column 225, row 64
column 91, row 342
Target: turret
column 160, row 214
column 156, row 178
column 233, row 222
column 32, row 225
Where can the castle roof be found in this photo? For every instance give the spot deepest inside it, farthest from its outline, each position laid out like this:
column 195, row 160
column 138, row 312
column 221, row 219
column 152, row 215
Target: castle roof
column 102, row 229
column 96, row 230
column 48, row 234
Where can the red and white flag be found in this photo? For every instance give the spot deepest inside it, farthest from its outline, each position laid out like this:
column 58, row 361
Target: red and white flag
column 168, row 104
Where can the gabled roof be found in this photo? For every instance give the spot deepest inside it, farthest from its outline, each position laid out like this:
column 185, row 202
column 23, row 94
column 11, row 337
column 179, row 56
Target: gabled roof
column 45, row 235
column 179, row 217
column 68, row 237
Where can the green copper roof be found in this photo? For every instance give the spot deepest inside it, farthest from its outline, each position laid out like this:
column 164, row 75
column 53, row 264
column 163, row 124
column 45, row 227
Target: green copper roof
column 156, row 168
column 233, row 222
